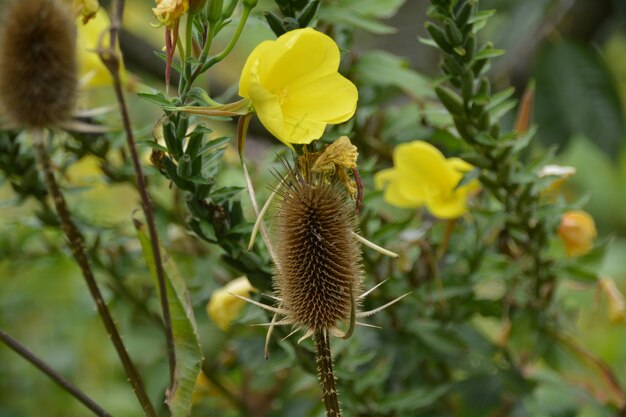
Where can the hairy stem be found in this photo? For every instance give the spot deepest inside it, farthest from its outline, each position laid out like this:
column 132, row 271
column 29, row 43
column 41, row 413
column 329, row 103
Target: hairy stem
column 77, row 245
column 326, row 374
column 21, row 350
column 111, row 60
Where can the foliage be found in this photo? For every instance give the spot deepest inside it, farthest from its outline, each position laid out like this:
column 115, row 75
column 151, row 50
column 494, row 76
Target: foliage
column 495, row 320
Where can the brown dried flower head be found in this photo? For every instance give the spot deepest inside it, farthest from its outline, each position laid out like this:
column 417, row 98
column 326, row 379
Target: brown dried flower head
column 319, row 259
column 38, row 69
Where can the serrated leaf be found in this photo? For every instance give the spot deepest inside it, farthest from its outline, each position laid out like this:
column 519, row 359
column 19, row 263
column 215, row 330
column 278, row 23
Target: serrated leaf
column 186, row 344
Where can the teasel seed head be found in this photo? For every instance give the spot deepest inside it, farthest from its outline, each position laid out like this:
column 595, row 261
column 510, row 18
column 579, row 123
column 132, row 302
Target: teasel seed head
column 38, row 69
column 320, row 270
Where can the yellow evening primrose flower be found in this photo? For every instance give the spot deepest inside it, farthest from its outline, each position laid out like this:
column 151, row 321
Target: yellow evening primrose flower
column 223, row 306
column 422, row 176
column 295, row 87
column 168, row 12
column 92, row 70
column 577, row 231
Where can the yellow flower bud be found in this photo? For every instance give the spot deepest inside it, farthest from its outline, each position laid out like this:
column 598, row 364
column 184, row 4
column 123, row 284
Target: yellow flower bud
column 617, row 304
column 168, row 12
column 577, row 231
column 223, row 306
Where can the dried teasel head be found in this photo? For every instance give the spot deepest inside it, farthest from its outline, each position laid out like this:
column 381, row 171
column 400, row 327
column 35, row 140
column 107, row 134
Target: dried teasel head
column 38, row 69
column 320, row 273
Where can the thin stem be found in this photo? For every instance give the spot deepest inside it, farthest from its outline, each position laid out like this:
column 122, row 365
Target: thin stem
column 217, row 58
column 326, row 374
column 21, row 350
column 77, row 245
column 111, row 60
column 235, row 38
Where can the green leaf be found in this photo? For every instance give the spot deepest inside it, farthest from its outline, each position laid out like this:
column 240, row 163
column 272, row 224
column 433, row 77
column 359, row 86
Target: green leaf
column 349, row 17
column 156, row 97
column 413, row 399
column 186, row 344
column 384, row 69
column 577, row 94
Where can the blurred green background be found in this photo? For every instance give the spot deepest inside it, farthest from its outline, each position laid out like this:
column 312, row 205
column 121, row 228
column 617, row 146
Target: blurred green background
column 575, row 50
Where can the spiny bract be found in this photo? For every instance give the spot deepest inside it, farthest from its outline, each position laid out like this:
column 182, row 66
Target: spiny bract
column 38, row 70
column 319, row 271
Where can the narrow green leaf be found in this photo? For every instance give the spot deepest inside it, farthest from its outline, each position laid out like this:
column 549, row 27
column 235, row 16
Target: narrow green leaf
column 186, row 344
column 156, row 97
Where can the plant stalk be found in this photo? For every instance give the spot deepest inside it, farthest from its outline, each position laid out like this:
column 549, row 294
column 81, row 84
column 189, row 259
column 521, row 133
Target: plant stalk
column 21, row 350
column 111, row 60
column 77, row 245
column 326, row 374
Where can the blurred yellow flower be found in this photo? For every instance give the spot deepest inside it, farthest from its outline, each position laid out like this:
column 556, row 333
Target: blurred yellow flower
column 577, row 231
column 422, row 176
column 168, row 12
column 617, row 304
column 92, row 70
column 223, row 306
column 295, row 88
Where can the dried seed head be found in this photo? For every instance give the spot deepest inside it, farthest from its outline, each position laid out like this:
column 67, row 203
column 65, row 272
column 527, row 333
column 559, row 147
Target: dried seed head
column 320, row 261
column 38, row 70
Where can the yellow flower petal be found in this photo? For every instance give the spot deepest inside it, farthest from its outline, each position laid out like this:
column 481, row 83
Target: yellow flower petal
column 304, row 98
column 424, row 163
column 400, row 191
column 299, row 57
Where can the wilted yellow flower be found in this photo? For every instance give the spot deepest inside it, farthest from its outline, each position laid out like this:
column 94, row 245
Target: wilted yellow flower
column 92, row 70
column 223, row 306
column 577, row 231
column 295, row 88
column 341, row 153
column 617, row 304
column 168, row 12
column 422, row 176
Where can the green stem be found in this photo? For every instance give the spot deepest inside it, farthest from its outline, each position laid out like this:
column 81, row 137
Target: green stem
column 201, row 68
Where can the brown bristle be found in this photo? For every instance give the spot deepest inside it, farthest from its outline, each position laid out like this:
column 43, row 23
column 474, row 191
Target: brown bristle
column 38, row 69
column 320, row 261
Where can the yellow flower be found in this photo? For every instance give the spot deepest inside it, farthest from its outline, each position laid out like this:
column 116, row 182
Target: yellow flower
column 223, row 306
column 577, row 231
column 422, row 176
column 92, row 70
column 295, row 88
column 168, row 12
column 617, row 304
